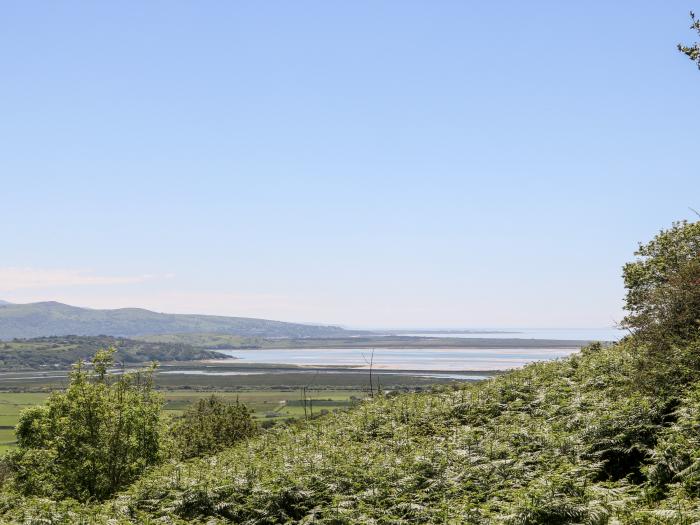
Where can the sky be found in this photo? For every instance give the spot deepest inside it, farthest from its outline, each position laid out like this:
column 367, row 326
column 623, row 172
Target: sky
column 396, row 164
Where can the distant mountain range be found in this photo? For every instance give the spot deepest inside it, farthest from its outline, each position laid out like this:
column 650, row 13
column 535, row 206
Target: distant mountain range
column 52, row 318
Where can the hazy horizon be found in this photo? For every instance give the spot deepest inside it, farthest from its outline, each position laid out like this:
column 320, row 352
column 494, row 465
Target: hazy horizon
column 412, row 328
column 369, row 165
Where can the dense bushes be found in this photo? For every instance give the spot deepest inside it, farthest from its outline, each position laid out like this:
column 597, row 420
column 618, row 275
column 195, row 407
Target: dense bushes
column 91, row 440
column 574, row 441
column 663, row 286
column 211, row 426
column 101, row 434
column 63, row 351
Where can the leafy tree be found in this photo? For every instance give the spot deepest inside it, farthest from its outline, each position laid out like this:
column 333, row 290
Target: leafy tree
column 211, row 426
column 663, row 286
column 93, row 439
column 692, row 51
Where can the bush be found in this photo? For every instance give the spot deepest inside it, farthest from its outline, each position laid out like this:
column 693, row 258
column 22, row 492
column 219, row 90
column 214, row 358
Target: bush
column 91, row 440
column 663, row 286
column 211, row 426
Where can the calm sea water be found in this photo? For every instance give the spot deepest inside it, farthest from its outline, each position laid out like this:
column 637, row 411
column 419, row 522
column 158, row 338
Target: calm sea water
column 568, row 334
column 416, row 359
column 435, row 359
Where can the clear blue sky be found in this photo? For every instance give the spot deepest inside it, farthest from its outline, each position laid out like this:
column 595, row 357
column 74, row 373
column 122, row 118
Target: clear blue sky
column 432, row 164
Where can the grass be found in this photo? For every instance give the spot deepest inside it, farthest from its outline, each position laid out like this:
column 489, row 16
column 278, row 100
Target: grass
column 574, row 441
column 265, row 377
column 7, row 439
column 10, row 406
column 268, row 405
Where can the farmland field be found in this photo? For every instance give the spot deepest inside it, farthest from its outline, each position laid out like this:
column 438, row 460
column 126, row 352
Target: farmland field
column 268, row 405
column 10, row 406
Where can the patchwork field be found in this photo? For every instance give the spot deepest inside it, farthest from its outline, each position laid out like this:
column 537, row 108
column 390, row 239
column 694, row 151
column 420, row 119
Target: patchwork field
column 268, row 405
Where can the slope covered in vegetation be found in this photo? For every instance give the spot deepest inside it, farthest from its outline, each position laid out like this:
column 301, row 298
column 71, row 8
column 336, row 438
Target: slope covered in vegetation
column 608, row 435
column 52, row 318
column 576, row 441
column 62, row 351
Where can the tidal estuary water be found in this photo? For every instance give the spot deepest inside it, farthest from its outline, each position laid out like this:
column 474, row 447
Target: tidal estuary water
column 438, row 359
column 427, row 359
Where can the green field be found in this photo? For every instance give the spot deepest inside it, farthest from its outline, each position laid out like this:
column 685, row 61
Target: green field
column 10, row 406
column 268, row 405
column 266, row 390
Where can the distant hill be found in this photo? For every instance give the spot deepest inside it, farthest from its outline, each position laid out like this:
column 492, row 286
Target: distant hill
column 3, row 303
column 63, row 351
column 52, row 318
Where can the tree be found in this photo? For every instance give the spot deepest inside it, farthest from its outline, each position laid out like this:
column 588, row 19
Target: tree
column 211, row 426
column 93, row 439
column 692, row 51
column 663, row 286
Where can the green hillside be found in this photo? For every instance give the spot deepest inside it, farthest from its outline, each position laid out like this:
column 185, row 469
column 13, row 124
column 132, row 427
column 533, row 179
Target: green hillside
column 609, row 435
column 62, row 351
column 52, row 318
column 576, row 441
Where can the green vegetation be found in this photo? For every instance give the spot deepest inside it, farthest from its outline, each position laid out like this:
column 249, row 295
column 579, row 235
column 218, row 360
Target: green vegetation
column 210, row 426
column 204, row 340
column 692, row 51
column 609, row 435
column 91, row 440
column 10, row 407
column 663, row 296
column 61, row 352
column 564, row 442
column 198, row 377
column 268, row 407
column 52, row 318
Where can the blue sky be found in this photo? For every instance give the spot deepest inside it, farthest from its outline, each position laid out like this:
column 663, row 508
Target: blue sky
column 394, row 164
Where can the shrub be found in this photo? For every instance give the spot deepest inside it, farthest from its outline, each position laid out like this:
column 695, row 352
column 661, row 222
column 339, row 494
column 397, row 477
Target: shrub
column 211, row 426
column 91, row 440
column 663, row 286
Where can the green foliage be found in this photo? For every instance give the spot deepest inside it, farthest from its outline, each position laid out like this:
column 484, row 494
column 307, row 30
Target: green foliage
column 212, row 425
column 663, row 291
column 692, row 51
column 609, row 435
column 91, row 440
column 62, row 352
column 31, row 430
column 519, row 448
column 572, row 441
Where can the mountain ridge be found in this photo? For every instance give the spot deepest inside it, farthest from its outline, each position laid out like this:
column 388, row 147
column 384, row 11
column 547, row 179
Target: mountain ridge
column 51, row 318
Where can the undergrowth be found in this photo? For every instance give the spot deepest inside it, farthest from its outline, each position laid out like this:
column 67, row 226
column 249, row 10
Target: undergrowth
column 579, row 440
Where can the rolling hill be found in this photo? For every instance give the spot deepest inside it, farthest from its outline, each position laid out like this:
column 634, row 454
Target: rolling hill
column 52, row 318
column 63, row 351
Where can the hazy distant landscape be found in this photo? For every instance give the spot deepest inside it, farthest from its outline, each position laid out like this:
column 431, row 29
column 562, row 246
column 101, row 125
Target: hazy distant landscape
column 53, row 318
column 350, row 263
column 252, row 358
